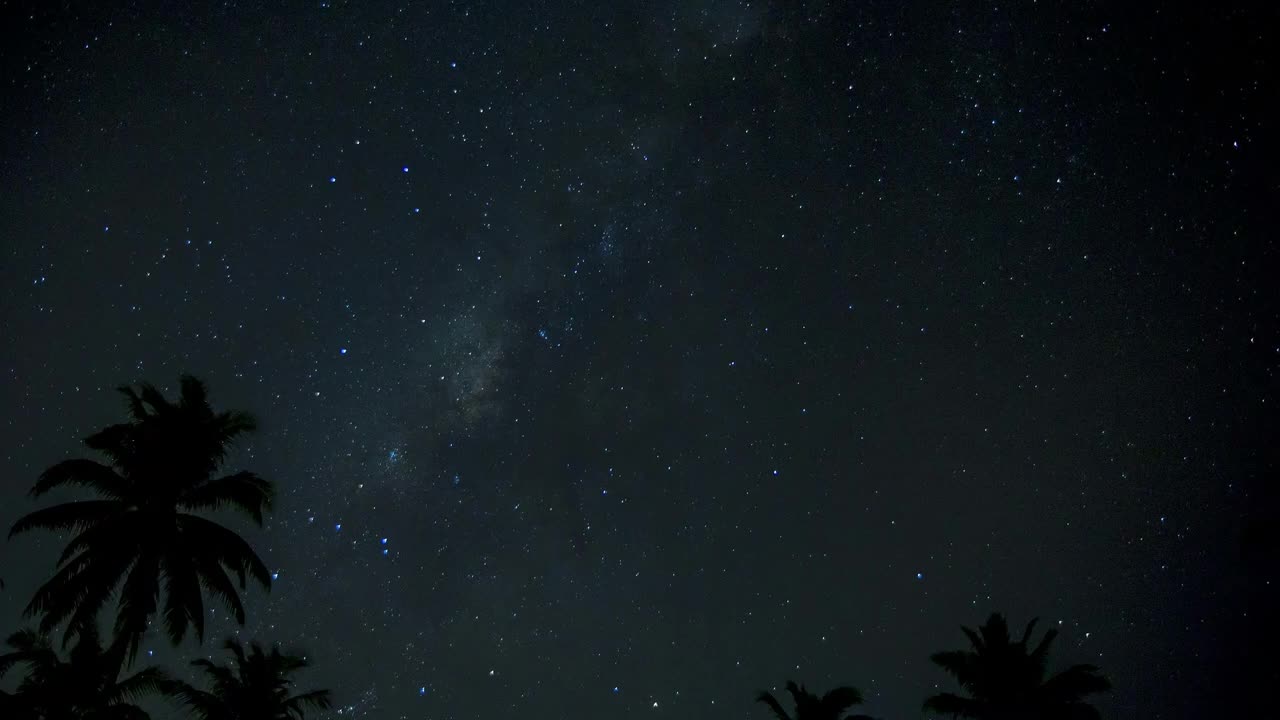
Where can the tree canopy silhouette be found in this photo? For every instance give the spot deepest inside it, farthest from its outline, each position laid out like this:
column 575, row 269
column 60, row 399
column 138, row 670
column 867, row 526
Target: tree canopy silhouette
column 1006, row 680
column 142, row 534
column 811, row 707
column 256, row 685
column 87, row 686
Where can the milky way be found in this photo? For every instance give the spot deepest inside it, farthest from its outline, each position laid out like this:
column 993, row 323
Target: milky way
column 627, row 361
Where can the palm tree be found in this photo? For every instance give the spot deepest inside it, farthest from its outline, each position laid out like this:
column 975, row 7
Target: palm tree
column 143, row 534
column 811, row 707
column 87, row 686
column 1006, row 681
column 256, row 687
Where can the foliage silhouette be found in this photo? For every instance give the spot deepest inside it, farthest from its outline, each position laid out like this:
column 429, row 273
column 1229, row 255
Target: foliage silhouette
column 811, row 707
column 1005, row 680
column 142, row 534
column 256, row 685
column 87, row 686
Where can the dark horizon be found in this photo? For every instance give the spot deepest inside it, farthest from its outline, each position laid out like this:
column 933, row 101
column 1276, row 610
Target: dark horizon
column 627, row 362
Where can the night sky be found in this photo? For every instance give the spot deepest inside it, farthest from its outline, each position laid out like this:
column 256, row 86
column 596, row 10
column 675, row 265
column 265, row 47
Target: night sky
column 623, row 361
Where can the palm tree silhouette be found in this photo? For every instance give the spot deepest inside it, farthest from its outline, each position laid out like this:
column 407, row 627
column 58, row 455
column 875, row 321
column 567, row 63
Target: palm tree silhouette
column 811, row 707
column 142, row 533
column 257, row 685
column 87, row 686
column 1006, row 681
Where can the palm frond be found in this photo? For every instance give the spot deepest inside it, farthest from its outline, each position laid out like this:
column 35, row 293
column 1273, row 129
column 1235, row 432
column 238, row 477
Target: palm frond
column 28, row 640
column 137, row 411
column 237, row 650
column 243, row 491
column 30, row 648
column 87, row 651
column 139, row 597
column 232, row 424
column 959, row 663
column 799, row 695
column 144, row 683
column 230, row 549
column 78, row 590
column 954, row 705
column 768, row 699
column 1040, row 654
column 287, row 664
column 115, row 441
column 8, row 661
column 215, row 581
column 975, row 640
column 1031, row 626
column 221, row 677
column 840, row 699
column 154, row 399
column 184, row 605
column 995, row 631
column 75, row 516
column 80, row 472
column 194, row 394
column 1074, row 683
column 315, row 700
column 255, row 684
column 204, row 705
